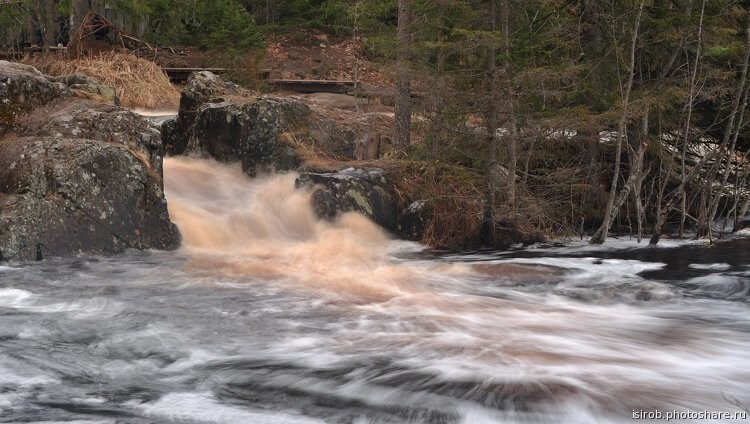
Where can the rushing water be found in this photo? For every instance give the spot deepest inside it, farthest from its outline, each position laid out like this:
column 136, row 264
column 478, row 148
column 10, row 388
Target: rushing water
column 268, row 315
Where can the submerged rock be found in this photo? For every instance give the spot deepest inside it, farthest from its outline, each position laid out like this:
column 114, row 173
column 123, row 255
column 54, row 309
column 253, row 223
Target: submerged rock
column 62, row 196
column 363, row 190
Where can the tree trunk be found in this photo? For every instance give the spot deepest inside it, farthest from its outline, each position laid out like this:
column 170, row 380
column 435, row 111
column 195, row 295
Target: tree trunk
column 355, row 27
column 739, row 216
column 403, row 83
column 512, row 127
column 691, row 101
column 78, row 11
column 609, row 213
column 638, row 182
column 591, row 31
column 437, row 121
column 488, row 215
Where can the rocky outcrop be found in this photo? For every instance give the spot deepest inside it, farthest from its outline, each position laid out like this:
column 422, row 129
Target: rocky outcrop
column 266, row 133
column 364, row 190
column 219, row 119
column 202, row 88
column 211, row 121
column 256, row 134
column 96, row 121
column 62, row 196
column 334, row 137
column 76, row 175
column 22, row 88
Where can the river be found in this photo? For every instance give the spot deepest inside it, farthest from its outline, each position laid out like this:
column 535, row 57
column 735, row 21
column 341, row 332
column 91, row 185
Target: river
column 268, row 315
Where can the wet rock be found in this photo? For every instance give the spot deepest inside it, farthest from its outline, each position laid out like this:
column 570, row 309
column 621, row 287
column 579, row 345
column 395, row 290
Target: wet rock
column 62, row 196
column 202, row 87
column 364, row 190
column 412, row 221
column 171, row 137
column 22, row 88
column 221, row 120
column 258, row 134
column 211, row 116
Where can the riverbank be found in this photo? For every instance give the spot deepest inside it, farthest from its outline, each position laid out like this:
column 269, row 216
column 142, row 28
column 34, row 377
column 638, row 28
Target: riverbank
column 340, row 146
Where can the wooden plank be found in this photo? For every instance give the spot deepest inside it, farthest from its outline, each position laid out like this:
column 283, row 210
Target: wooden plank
column 11, row 55
column 311, row 86
column 179, row 75
column 191, row 70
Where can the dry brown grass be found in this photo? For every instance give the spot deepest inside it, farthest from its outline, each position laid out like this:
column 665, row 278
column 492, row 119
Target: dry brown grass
column 455, row 200
column 138, row 82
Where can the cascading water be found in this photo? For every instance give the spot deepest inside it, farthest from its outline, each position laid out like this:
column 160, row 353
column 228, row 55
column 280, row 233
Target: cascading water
column 269, row 315
column 268, row 229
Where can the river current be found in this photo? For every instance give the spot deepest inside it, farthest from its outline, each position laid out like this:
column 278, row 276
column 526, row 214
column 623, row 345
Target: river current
column 268, row 315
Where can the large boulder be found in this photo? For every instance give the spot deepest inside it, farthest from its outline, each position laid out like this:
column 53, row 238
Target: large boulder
column 202, row 88
column 62, row 196
column 76, row 175
column 364, row 190
column 221, row 120
column 22, row 88
column 210, row 118
column 257, row 134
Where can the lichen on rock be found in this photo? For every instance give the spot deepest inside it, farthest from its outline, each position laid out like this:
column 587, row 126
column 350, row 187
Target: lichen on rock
column 77, row 195
column 76, row 175
column 363, row 190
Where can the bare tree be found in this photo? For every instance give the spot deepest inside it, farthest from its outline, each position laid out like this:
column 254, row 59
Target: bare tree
column 688, row 120
column 610, row 212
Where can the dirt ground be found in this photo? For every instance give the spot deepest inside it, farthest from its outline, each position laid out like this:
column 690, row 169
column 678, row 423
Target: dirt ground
column 321, row 56
column 311, row 55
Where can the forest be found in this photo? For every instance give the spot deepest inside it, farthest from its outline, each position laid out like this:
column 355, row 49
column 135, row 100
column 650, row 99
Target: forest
column 556, row 117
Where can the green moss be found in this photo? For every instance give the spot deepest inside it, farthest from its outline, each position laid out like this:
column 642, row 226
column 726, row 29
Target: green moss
column 360, row 200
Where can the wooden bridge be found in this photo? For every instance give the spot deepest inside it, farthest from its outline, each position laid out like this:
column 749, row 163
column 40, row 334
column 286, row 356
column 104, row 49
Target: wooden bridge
column 180, row 75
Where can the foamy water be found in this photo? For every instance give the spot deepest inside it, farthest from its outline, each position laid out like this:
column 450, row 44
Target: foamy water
column 267, row 315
